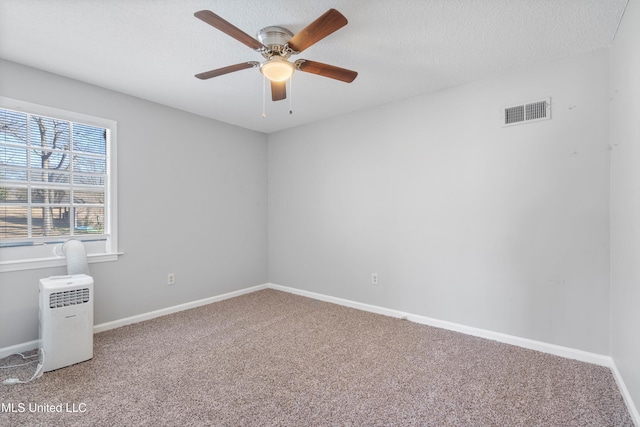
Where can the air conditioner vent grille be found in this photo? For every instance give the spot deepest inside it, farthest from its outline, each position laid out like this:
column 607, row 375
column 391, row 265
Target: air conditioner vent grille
column 67, row 298
column 526, row 113
column 514, row 114
column 536, row 110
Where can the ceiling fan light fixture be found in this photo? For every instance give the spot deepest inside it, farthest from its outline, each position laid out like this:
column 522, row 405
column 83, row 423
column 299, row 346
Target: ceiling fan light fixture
column 277, row 69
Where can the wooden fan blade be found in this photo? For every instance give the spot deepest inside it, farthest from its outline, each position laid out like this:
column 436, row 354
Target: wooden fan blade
column 278, row 90
column 229, row 29
column 326, row 24
column 226, row 70
column 326, row 70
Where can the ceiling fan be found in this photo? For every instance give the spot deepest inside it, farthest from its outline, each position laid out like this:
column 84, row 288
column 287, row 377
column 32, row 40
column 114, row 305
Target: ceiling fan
column 277, row 44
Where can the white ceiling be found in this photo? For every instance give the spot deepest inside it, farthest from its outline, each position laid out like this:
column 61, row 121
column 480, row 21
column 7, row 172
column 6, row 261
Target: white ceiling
column 152, row 48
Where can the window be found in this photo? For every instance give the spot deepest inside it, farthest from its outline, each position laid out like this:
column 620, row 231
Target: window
column 57, row 182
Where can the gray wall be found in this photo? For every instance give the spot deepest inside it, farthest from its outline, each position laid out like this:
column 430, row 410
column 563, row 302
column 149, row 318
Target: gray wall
column 505, row 229
column 625, row 200
column 192, row 200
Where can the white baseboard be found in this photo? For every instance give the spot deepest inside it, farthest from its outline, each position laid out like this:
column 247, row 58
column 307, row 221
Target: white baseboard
column 633, row 411
column 169, row 310
column 571, row 353
column 18, row 348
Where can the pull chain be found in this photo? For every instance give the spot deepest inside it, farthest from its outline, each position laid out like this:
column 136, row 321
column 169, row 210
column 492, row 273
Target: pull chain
column 291, row 94
column 264, row 91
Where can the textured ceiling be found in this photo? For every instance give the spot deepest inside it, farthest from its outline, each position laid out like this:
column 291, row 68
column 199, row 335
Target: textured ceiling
column 152, row 48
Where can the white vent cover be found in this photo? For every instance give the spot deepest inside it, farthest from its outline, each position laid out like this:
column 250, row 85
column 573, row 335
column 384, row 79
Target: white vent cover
column 527, row 113
column 67, row 298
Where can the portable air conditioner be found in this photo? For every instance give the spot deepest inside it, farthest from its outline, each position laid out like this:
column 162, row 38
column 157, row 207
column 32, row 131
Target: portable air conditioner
column 66, row 320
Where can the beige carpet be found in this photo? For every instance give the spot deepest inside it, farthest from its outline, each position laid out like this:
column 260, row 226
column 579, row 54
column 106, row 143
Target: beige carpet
column 272, row 358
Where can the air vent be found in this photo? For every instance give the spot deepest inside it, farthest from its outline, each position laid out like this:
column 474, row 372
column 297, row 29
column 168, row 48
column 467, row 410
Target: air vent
column 67, row 298
column 514, row 115
column 527, row 113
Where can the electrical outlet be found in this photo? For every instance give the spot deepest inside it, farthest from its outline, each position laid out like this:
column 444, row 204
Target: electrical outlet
column 374, row 278
column 171, row 279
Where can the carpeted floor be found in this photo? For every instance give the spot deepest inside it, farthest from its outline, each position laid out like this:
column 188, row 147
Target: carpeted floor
column 272, row 358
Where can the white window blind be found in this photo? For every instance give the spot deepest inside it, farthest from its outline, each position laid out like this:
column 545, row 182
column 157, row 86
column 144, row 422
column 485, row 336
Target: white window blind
column 54, row 183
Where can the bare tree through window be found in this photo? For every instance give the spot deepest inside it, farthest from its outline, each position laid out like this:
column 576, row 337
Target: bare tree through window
column 52, row 177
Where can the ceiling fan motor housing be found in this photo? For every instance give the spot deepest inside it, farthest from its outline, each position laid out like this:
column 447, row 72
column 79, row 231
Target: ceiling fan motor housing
column 275, row 38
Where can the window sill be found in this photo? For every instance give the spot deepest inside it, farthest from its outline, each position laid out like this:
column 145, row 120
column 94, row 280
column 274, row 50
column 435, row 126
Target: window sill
column 33, row 264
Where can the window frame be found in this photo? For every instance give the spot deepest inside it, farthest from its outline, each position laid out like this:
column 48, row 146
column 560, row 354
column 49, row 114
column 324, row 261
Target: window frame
column 44, row 253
